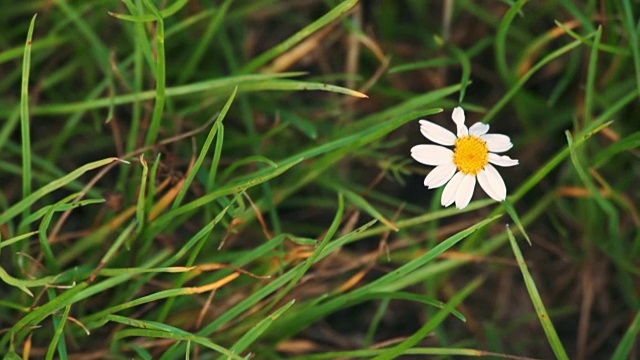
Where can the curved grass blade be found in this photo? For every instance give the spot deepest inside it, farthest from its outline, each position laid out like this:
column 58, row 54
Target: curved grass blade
column 178, row 337
column 501, row 41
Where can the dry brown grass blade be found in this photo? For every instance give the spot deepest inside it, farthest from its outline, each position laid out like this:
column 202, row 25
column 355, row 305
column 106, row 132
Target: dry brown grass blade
column 298, row 346
column 214, row 285
column 166, row 200
column 198, row 269
column 353, row 280
column 552, row 34
column 259, row 217
column 291, row 57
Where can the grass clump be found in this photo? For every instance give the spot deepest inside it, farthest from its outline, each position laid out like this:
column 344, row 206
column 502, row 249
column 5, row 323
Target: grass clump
column 232, row 179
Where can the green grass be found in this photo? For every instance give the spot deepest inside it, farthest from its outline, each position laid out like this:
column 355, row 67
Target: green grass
column 231, row 179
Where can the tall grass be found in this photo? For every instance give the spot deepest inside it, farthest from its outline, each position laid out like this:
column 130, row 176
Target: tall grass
column 231, row 179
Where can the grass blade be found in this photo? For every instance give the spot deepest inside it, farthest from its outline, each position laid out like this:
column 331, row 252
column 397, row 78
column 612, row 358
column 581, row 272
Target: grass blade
column 547, row 325
column 160, row 75
column 623, row 351
column 307, row 31
column 254, row 333
column 436, row 320
column 24, row 116
column 52, row 186
column 204, row 150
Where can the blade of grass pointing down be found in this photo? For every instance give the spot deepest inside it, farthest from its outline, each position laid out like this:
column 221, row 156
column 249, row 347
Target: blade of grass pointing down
column 547, row 325
column 516, row 219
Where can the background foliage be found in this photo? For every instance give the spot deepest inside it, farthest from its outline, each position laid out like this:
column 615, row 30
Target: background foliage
column 208, row 179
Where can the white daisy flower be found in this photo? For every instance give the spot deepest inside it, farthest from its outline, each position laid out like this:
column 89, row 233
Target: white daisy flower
column 474, row 152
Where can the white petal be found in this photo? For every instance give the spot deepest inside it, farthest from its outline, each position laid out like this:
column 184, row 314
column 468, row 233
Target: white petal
column 458, row 115
column 437, row 133
column 465, row 191
column 449, row 193
column 432, row 154
column 497, row 142
column 502, row 160
column 440, row 175
column 492, row 183
column 479, row 129
column 458, row 118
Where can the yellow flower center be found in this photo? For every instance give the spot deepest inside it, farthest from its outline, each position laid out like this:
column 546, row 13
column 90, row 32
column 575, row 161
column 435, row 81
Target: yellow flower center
column 471, row 154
